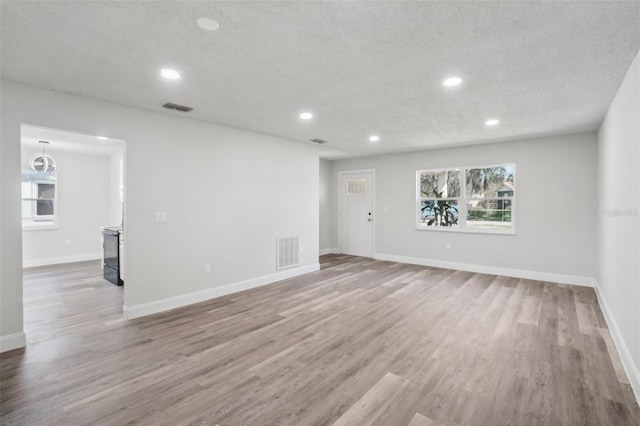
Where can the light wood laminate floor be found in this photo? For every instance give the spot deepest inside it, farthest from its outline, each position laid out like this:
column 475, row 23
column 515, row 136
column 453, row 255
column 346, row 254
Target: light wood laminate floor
column 360, row 342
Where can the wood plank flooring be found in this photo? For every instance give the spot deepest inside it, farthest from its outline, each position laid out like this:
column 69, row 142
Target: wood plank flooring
column 361, row 342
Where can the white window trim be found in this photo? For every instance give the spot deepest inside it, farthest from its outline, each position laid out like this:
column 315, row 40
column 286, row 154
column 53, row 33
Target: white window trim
column 43, row 223
column 40, row 227
column 462, row 202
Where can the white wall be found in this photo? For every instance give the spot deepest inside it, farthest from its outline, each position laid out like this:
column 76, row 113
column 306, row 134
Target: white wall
column 117, row 163
column 11, row 322
column 619, row 231
column 555, row 209
column 227, row 194
column 83, row 205
column 328, row 237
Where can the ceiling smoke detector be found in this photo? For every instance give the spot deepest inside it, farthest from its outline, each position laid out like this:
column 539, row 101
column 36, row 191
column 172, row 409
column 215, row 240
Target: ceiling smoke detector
column 319, row 141
column 170, row 105
column 208, row 24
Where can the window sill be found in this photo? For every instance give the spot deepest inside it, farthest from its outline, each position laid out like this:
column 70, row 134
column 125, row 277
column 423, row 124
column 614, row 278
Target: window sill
column 469, row 230
column 47, row 227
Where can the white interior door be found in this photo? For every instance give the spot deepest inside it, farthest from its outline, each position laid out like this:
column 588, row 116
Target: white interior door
column 356, row 214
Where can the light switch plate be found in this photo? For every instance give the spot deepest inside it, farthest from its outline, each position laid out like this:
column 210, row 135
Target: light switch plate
column 161, row 217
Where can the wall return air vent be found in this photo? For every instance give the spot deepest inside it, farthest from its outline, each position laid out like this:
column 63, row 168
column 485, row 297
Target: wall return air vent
column 287, row 252
column 177, row 107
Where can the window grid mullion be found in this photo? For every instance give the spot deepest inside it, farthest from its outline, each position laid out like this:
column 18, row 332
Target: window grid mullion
column 462, row 205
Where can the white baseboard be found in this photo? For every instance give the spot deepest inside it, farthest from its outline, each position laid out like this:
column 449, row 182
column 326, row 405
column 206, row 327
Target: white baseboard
column 13, row 341
column 623, row 350
column 493, row 270
column 143, row 309
column 63, row 259
column 322, row 252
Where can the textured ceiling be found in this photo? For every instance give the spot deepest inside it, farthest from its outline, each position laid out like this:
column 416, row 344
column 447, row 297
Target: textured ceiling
column 360, row 67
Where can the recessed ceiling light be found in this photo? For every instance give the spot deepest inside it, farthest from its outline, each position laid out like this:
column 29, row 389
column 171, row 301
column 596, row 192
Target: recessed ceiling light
column 492, row 122
column 306, row 116
column 452, row 81
column 208, row 24
column 102, row 138
column 170, row 74
column 374, row 138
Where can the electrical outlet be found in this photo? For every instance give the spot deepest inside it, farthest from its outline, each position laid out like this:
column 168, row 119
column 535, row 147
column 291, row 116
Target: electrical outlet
column 161, row 217
column 447, row 245
column 301, row 250
column 207, row 267
column 68, row 241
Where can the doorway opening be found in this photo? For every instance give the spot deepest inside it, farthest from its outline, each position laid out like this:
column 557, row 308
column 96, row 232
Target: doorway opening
column 73, row 190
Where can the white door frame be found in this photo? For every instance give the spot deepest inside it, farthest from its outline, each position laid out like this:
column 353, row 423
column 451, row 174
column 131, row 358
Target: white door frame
column 373, row 207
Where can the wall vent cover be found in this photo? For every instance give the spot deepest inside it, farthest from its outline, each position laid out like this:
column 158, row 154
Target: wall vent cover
column 320, row 141
column 288, row 252
column 177, row 107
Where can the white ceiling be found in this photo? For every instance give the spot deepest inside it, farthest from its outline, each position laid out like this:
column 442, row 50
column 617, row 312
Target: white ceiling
column 61, row 140
column 360, row 67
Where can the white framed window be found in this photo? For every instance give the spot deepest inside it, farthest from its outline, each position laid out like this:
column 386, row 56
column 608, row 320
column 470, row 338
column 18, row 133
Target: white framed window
column 39, row 201
column 467, row 199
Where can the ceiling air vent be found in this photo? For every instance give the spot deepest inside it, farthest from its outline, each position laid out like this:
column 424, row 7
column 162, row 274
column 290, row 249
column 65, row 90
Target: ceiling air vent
column 182, row 108
column 320, row 141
